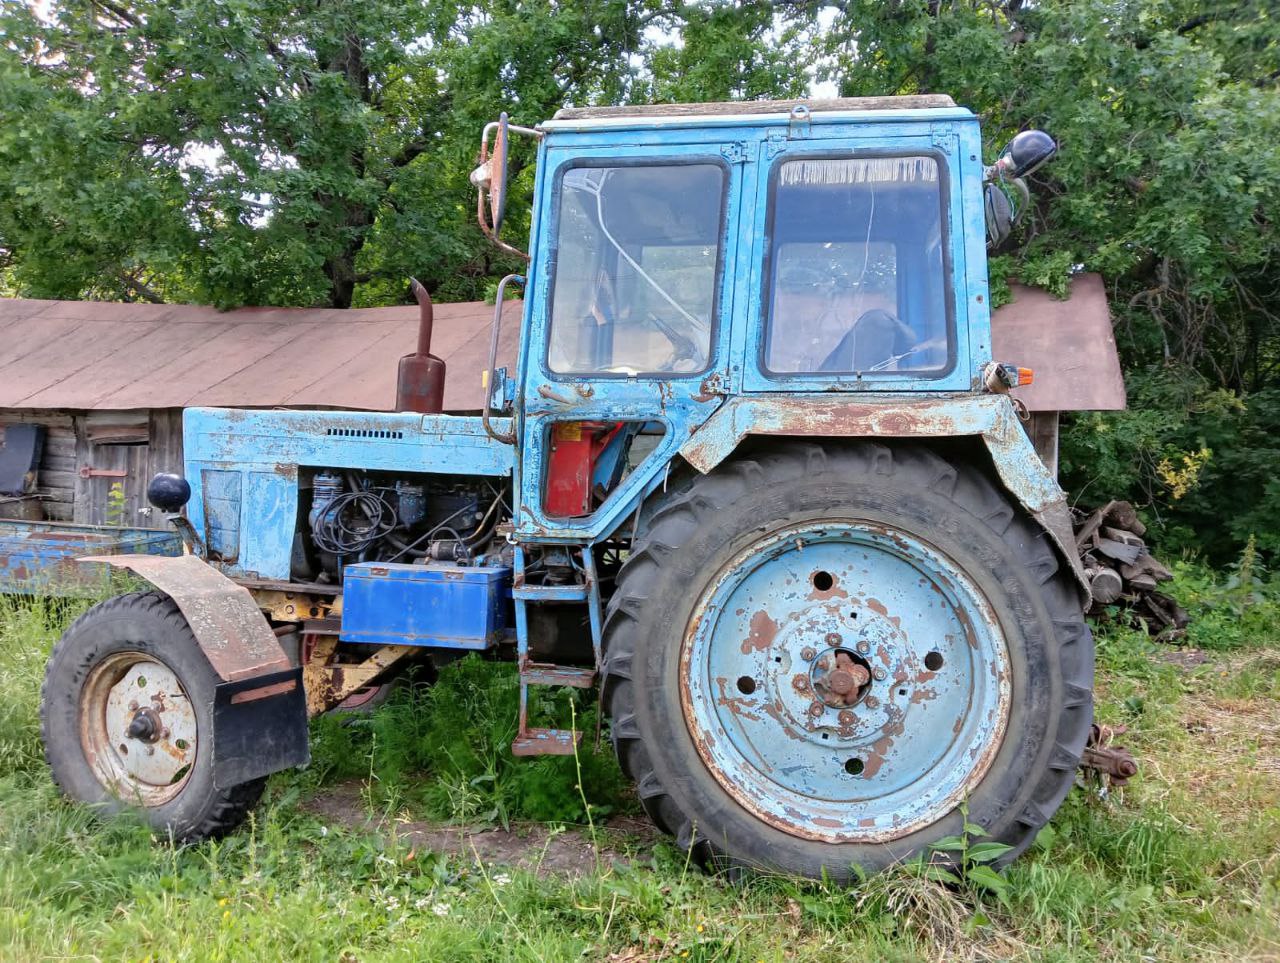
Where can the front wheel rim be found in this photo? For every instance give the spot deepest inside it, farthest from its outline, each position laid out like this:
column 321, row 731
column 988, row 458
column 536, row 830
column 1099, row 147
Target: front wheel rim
column 845, row 682
column 138, row 728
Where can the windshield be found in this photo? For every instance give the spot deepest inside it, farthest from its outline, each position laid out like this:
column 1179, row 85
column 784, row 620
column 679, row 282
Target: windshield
column 856, row 268
column 637, row 256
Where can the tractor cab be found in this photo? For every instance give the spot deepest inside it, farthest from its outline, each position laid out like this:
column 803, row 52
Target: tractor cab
column 684, row 255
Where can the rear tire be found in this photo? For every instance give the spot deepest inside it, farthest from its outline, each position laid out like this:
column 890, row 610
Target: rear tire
column 130, row 656
column 742, row 791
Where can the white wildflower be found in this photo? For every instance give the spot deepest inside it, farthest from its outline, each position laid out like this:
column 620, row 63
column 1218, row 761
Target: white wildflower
column 501, row 879
column 441, row 909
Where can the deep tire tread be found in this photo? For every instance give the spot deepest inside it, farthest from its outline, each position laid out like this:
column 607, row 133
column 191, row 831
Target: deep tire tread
column 704, row 497
column 225, row 809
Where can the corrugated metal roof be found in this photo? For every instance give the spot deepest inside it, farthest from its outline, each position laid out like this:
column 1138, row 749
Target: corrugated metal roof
column 97, row 355
column 105, row 355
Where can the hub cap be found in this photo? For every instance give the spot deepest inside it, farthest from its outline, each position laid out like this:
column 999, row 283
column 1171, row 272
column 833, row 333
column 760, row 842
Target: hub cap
column 137, row 728
column 845, row 682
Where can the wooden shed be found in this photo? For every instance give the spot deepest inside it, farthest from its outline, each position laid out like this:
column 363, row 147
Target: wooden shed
column 107, row 383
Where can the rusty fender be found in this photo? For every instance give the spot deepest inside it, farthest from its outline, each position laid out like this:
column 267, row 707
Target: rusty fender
column 990, row 417
column 259, row 708
column 233, row 634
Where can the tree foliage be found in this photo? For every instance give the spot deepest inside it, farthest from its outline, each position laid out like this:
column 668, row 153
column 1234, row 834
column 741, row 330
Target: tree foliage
column 281, row 152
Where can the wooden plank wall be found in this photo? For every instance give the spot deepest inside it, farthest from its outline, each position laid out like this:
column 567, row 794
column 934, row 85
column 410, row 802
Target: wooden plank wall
column 138, row 442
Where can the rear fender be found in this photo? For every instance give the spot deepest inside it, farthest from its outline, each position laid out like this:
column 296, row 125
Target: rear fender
column 260, row 713
column 990, row 417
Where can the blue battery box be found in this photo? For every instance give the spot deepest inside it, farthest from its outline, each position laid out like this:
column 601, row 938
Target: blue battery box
column 440, row 605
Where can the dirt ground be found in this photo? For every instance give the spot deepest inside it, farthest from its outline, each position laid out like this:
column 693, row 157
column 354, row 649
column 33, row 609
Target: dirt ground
column 528, row 846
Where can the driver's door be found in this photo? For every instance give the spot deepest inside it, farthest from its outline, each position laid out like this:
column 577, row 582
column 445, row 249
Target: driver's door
column 626, row 352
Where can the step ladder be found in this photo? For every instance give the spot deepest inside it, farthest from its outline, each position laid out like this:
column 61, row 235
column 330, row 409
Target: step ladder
column 534, row 741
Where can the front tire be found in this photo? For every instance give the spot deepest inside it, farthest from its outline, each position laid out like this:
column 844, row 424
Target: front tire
column 126, row 716
column 815, row 658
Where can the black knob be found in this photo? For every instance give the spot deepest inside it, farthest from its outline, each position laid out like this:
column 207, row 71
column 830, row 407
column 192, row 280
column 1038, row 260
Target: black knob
column 168, row 492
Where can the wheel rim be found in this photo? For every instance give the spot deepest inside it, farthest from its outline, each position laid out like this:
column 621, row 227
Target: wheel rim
column 845, row 682
column 138, row 728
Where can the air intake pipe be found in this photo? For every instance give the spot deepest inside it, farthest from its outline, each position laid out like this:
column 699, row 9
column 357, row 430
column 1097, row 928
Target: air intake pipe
column 420, row 381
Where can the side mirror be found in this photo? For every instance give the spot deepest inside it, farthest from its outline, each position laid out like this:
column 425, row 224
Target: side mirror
column 491, row 176
column 999, row 215
column 1026, row 153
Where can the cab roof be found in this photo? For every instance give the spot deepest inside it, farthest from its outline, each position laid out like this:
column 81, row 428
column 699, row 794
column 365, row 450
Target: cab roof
column 744, row 108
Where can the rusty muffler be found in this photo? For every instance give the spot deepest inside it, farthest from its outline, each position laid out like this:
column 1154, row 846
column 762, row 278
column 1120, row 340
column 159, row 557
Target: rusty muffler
column 420, row 381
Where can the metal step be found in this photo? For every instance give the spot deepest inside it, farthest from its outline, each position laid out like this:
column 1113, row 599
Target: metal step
column 550, row 593
column 546, row 742
column 544, row 673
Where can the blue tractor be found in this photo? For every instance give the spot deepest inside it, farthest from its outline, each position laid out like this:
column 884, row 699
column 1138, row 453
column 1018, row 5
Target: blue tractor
column 756, row 477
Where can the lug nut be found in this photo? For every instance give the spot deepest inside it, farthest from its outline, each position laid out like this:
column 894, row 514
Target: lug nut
column 807, row 653
column 872, row 702
column 864, row 647
column 846, row 717
column 880, row 675
column 833, row 638
column 816, row 709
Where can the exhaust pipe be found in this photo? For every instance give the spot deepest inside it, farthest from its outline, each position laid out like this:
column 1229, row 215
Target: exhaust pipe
column 420, row 380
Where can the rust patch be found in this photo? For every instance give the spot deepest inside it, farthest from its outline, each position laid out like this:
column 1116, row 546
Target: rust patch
column 763, row 631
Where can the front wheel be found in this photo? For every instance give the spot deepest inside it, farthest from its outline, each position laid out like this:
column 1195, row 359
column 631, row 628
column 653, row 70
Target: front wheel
column 126, row 716
column 817, row 658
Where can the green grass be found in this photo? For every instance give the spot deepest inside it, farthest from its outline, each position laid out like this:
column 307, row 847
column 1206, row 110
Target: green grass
column 1183, row 865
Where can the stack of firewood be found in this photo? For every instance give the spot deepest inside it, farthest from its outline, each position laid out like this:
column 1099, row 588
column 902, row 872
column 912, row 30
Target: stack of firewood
column 1123, row 573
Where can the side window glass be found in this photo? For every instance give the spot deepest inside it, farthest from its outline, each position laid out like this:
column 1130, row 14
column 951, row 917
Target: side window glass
column 856, row 268
column 637, row 260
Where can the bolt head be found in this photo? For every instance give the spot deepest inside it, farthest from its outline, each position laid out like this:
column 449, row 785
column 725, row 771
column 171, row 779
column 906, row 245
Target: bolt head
column 864, row 647
column 816, row 709
column 846, row 717
column 833, row 638
column 872, row 702
column 807, row 653
column 880, row 675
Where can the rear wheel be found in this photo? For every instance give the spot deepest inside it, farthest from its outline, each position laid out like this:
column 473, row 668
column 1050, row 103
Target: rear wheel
column 126, row 716
column 814, row 658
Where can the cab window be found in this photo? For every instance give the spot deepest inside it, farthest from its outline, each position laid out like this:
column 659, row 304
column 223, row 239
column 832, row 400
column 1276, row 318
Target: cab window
column 637, row 258
column 856, row 274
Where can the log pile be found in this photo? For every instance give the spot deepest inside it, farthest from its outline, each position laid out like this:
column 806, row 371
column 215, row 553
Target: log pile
column 1123, row 573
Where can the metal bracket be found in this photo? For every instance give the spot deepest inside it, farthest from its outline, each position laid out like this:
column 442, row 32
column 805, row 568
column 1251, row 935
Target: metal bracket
column 943, row 136
column 735, row 153
column 774, row 145
column 799, row 127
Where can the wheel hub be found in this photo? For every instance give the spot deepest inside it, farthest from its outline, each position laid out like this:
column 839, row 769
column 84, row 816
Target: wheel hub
column 138, row 728
column 845, row 683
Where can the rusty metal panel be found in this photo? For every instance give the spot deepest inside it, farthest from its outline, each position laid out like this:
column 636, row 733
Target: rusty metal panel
column 174, row 356
column 233, row 634
column 991, row 417
column 1069, row 344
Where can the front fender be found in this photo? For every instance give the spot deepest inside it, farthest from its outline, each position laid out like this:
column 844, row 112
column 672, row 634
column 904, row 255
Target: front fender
column 990, row 417
column 230, row 629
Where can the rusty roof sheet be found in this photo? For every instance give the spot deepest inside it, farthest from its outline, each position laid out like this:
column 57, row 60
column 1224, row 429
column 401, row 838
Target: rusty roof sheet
column 1069, row 344
column 106, row 355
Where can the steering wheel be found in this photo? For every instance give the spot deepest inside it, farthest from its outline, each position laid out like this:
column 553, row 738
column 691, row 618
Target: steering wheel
column 876, row 324
column 686, row 350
